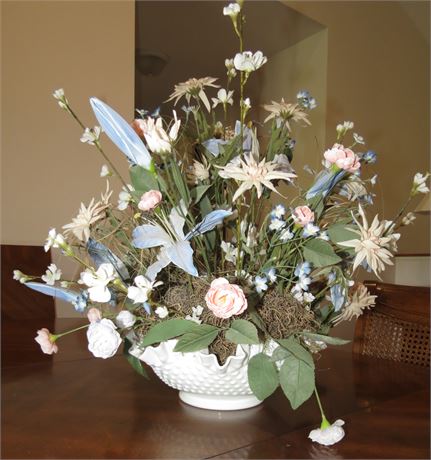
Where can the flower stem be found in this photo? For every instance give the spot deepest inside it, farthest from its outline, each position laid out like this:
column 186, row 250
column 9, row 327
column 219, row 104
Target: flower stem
column 325, row 423
column 57, row 336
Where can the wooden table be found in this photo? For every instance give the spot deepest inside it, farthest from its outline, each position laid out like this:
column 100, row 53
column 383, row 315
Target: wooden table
column 75, row 406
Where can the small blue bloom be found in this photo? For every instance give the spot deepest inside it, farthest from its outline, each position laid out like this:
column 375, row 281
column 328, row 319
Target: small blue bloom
column 271, row 274
column 279, row 211
column 260, row 283
column 291, row 144
column 303, row 269
column 370, row 157
column 304, row 282
column 338, row 296
column 81, row 301
column 276, row 224
column 147, row 307
column 305, row 100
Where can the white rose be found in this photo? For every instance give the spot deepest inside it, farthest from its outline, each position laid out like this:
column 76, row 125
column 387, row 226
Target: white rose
column 125, row 319
column 330, row 435
column 103, row 339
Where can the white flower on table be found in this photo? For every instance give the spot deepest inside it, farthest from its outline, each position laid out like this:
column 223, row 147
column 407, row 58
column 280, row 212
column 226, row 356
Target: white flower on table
column 162, row 312
column 330, row 435
column 52, row 275
column 54, row 240
column 91, row 135
column 141, row 291
column 105, row 172
column 408, row 218
column 103, row 339
column 196, row 313
column 18, row 275
column 98, row 282
column 125, row 319
column 125, row 197
column 232, row 10
column 223, row 97
column 249, row 62
column 419, row 184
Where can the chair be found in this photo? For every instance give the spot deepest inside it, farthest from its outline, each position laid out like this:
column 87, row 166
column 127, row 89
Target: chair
column 398, row 327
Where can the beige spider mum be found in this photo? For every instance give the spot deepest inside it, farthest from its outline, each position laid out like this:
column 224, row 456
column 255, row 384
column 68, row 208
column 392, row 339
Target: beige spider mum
column 285, row 112
column 193, row 87
column 360, row 300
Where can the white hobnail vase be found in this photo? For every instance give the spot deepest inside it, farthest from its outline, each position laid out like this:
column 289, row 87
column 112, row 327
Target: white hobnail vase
column 201, row 380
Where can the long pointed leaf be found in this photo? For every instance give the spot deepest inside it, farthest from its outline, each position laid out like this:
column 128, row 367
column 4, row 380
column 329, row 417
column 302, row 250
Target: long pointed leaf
column 102, row 255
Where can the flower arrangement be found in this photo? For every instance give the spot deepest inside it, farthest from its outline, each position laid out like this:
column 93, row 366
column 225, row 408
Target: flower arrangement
column 192, row 253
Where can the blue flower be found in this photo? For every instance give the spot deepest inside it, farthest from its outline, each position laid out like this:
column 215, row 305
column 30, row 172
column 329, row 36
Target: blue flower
column 370, row 157
column 260, row 283
column 305, row 100
column 303, row 269
column 291, row 144
column 276, row 224
column 271, row 274
column 279, row 211
column 338, row 296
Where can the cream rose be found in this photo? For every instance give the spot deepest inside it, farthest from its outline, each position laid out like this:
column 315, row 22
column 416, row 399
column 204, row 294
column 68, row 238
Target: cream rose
column 303, row 215
column 150, row 200
column 225, row 299
column 342, row 157
column 103, row 339
column 46, row 341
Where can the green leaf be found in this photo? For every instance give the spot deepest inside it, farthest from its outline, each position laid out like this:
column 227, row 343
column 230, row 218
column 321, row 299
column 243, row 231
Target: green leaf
column 280, row 354
column 135, row 362
column 325, row 338
column 296, row 380
column 180, row 182
column 198, row 339
column 292, row 345
column 262, row 376
column 198, row 192
column 320, row 253
column 341, row 232
column 167, row 330
column 142, row 179
column 242, row 332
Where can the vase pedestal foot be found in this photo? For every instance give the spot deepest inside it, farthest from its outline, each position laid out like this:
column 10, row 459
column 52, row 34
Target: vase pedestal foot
column 219, row 402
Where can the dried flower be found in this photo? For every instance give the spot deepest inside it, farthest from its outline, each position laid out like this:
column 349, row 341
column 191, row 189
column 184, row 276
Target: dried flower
column 284, row 112
column 193, row 87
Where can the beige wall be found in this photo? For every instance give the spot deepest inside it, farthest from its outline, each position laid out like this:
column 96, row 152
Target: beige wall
column 88, row 49
column 378, row 76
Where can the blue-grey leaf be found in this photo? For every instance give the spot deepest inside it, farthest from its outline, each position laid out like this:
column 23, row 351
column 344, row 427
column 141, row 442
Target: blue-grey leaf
column 213, row 146
column 77, row 298
column 121, row 134
column 209, row 222
column 324, row 183
column 181, row 254
column 100, row 254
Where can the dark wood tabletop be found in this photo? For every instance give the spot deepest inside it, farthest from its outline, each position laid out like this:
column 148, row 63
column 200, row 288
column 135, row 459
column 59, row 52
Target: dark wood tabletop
column 72, row 405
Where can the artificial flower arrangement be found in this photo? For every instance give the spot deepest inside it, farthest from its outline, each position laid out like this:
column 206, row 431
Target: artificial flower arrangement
column 189, row 255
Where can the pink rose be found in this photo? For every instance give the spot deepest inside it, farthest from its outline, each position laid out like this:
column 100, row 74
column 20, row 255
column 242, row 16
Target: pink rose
column 46, row 340
column 94, row 315
column 225, row 299
column 139, row 127
column 342, row 157
column 303, row 215
column 150, row 200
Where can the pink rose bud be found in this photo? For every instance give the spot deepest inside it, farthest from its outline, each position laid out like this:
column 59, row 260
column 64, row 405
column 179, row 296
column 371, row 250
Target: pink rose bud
column 303, row 215
column 94, row 315
column 46, row 341
column 150, row 200
column 138, row 126
column 225, row 299
column 343, row 158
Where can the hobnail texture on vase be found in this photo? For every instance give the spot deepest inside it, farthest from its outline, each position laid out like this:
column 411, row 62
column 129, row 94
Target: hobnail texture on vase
column 199, row 373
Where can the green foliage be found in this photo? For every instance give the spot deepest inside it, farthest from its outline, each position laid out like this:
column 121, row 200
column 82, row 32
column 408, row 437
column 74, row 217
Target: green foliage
column 296, row 380
column 280, row 354
column 262, row 376
column 341, row 232
column 143, row 180
column 197, row 339
column 292, row 345
column 198, row 192
column 325, row 338
column 166, row 330
column 320, row 253
column 135, row 362
column 242, row 332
